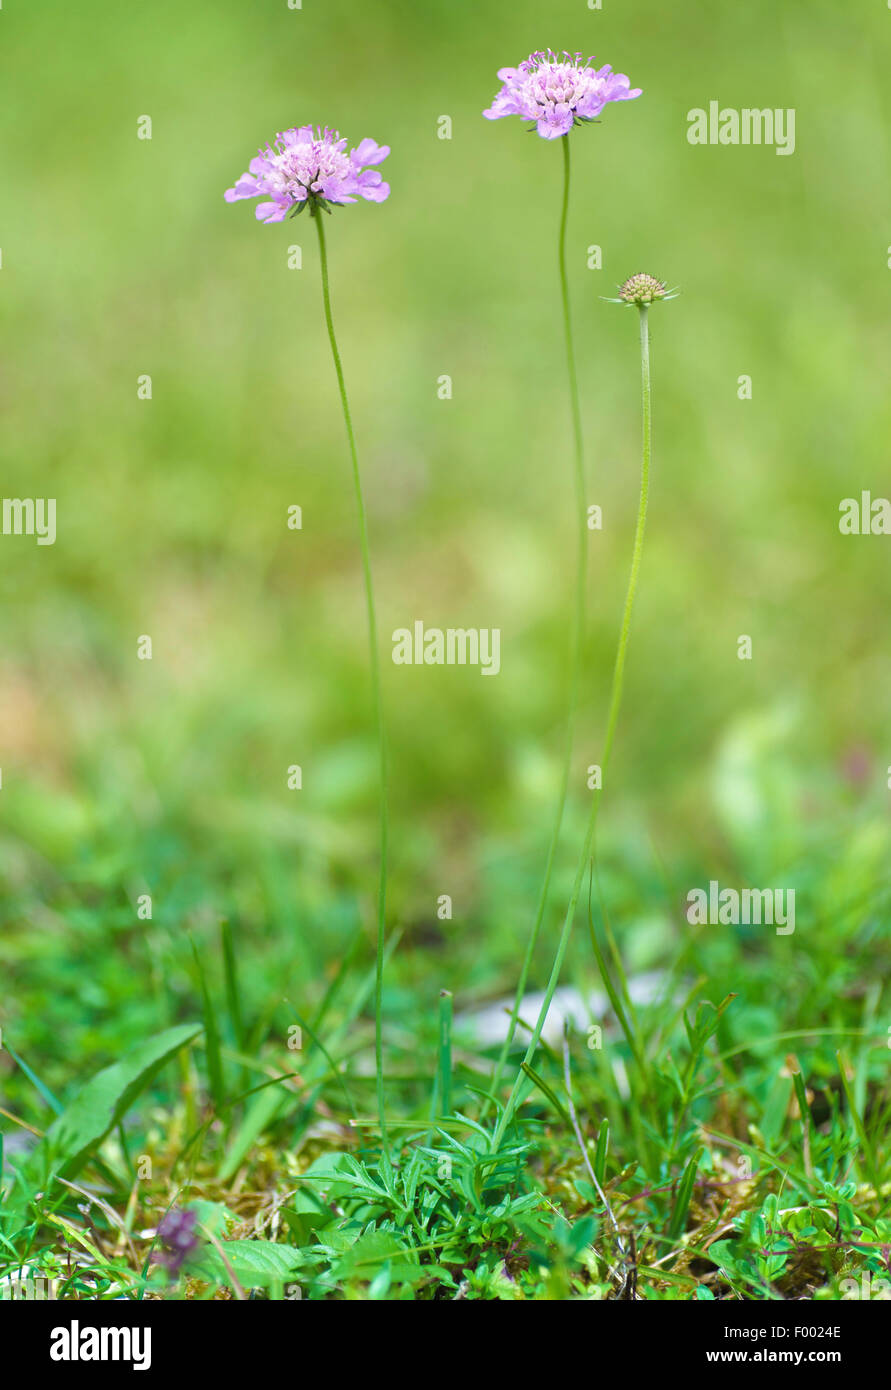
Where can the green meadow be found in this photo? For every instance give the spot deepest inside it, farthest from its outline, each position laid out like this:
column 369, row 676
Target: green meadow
column 175, row 915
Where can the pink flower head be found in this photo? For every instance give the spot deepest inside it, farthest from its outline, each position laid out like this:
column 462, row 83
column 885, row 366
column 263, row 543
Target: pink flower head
column 558, row 93
column 308, row 166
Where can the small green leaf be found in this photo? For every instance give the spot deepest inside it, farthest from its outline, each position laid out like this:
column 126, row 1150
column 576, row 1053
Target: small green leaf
column 304, row 1225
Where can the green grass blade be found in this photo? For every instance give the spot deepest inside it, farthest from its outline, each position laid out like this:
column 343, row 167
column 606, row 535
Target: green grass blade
column 445, row 1051
column 211, row 1038
column 54, row 1104
column 684, row 1194
column 233, row 994
column 547, row 1091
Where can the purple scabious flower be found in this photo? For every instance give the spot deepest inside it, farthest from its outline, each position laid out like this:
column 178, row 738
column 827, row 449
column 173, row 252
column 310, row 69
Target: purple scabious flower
column 558, row 92
column 179, row 1238
column 308, row 166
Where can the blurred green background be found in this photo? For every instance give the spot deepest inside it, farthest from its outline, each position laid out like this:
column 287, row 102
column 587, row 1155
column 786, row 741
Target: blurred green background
column 120, row 258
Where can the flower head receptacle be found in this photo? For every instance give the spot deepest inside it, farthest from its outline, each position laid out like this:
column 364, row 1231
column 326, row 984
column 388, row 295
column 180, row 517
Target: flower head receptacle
column 643, row 290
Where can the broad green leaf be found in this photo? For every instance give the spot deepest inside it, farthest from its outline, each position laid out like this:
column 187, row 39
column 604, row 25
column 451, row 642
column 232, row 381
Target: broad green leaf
column 255, row 1263
column 103, row 1102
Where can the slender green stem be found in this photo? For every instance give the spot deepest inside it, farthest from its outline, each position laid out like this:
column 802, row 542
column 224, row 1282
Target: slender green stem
column 612, row 721
column 445, row 1052
column 576, row 629
column 318, row 218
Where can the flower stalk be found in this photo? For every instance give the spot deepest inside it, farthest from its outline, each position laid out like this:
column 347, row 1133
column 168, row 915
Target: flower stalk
column 558, row 92
column 576, row 629
column 312, row 167
column 374, row 654
column 643, row 305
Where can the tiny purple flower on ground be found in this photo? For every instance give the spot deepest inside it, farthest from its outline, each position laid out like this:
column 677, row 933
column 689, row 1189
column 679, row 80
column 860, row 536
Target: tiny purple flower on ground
column 558, row 92
column 177, row 1234
column 309, row 167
